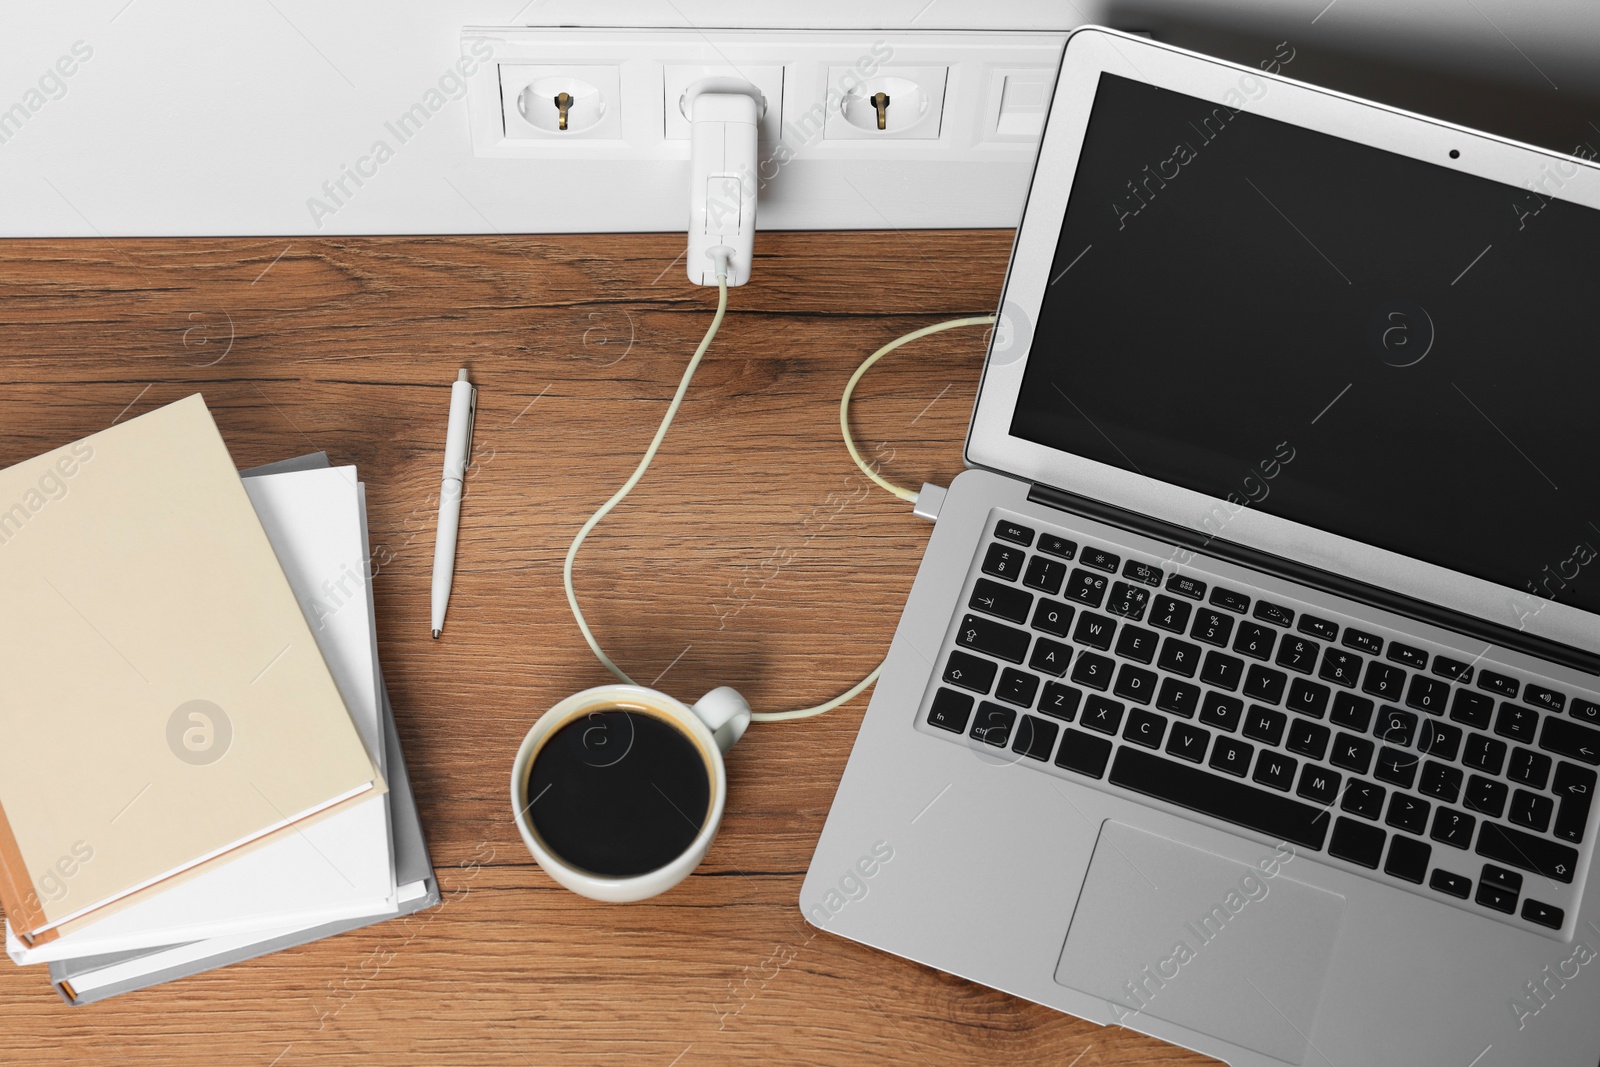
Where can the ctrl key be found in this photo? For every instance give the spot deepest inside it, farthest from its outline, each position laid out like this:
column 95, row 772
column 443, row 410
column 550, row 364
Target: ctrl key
column 950, row 711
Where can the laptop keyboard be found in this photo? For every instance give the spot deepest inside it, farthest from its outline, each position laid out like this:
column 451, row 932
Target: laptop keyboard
column 1391, row 756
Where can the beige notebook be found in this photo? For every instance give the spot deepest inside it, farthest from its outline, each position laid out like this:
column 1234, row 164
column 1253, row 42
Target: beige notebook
column 162, row 700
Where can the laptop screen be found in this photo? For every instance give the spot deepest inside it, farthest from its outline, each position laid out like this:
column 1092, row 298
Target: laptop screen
column 1385, row 349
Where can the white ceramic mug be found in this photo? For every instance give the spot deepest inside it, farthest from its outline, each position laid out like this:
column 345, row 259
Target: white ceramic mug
column 713, row 724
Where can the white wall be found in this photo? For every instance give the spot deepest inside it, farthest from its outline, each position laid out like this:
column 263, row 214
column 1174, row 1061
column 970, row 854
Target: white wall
column 224, row 118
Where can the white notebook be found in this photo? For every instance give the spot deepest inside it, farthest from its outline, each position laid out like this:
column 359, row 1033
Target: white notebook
column 341, row 867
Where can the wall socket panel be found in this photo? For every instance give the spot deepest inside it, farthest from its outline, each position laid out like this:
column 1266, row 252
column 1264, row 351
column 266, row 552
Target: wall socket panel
column 960, row 113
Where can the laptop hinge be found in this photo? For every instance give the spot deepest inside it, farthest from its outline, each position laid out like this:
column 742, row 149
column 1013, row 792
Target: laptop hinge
column 1327, row 581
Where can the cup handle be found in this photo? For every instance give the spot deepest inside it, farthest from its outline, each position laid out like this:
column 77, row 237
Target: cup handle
column 725, row 713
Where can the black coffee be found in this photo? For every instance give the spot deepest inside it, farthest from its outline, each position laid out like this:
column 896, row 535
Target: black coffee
column 618, row 792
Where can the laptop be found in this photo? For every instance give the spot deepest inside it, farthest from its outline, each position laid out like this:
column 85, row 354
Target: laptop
column 1248, row 694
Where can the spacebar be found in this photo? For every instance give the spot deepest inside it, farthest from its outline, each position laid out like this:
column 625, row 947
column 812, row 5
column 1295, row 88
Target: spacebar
column 1256, row 809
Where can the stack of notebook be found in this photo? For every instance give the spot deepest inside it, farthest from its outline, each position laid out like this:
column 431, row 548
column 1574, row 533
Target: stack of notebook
column 201, row 762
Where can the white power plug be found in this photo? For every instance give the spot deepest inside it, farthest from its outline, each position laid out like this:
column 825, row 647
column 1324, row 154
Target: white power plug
column 723, row 115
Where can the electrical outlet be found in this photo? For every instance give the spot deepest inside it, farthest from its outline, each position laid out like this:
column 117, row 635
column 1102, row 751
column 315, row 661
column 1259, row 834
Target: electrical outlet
column 896, row 102
column 676, row 79
column 541, row 102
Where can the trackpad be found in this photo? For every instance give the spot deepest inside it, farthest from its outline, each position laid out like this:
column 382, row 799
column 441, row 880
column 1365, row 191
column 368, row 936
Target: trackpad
column 1234, row 950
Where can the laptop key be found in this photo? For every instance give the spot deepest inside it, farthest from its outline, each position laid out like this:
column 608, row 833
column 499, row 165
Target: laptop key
column 1275, row 770
column 1298, row 653
column 1212, row 627
column 1394, row 726
column 1188, row 742
column 1543, row 914
column 1265, row 684
column 1548, row 699
column 1093, row 671
column 1086, row 587
column 1585, row 711
column 1084, row 753
column 1053, row 617
column 1383, row 681
column 1487, row 796
column 1179, row 657
column 992, row 725
column 1574, row 788
column 1319, row 628
column 1362, row 641
column 1060, row 700
column 1498, row 683
column 1408, row 813
column 1453, row 884
column 1351, row 712
column 1180, row 698
column 1454, row 828
column 1427, row 694
column 1101, row 714
column 1035, row 738
column 1357, row 842
column 1145, row 573
column 1255, row 641
column 1265, row 725
column 1183, row 585
column 1096, row 631
column 1274, row 613
column 1308, row 698
column 992, row 638
column 950, row 710
column 1397, row 767
column 1222, row 670
column 1494, row 897
column 1516, row 722
column 1231, row 756
column 1002, row 601
column 1135, row 684
column 1340, row 668
column 1439, row 739
column 1408, row 858
column 1352, row 753
column 1532, row 810
column 1045, row 575
column 1100, row 559
column 1223, row 712
column 1052, row 545
column 1264, row 811
column 1138, row 644
column 1363, row 798
column 1410, row 657
column 1452, row 669
column 1516, row 848
column 1169, row 614
column 1308, row 739
column 1051, row 657
column 1441, row 781
column 1230, row 599
column 1500, row 878
column 1015, row 532
column 1017, row 687
column 969, row 672
column 1474, row 709
column 1003, row 561
column 1567, row 738
column 1144, row 728
column 1484, row 753
column 1319, row 785
column 1529, row 768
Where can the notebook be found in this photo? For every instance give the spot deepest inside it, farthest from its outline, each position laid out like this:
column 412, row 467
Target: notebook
column 339, row 868
column 165, row 701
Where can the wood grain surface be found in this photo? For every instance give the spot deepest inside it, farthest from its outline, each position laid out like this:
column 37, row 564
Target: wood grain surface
column 753, row 554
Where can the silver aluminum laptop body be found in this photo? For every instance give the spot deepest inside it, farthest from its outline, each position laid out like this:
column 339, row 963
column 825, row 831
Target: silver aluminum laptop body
column 998, row 865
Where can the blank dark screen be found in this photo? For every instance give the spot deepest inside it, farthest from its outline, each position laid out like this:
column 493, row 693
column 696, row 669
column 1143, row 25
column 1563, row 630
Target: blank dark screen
column 1379, row 347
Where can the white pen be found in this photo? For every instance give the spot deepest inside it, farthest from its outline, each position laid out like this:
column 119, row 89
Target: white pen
column 457, row 447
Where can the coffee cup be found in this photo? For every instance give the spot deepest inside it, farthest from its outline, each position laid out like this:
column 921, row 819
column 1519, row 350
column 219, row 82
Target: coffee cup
column 618, row 790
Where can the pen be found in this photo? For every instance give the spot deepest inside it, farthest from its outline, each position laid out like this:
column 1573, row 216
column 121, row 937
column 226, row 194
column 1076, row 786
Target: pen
column 457, row 447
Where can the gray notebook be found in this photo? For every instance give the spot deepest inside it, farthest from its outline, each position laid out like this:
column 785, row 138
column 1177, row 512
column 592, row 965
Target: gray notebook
column 412, row 865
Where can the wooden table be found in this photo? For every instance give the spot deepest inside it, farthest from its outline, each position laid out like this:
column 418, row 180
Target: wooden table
column 754, row 554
